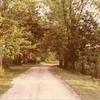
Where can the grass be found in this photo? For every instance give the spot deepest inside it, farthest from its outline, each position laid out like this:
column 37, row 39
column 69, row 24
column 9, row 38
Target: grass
column 8, row 75
column 87, row 87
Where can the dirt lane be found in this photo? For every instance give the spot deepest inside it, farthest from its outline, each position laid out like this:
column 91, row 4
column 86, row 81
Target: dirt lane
column 39, row 83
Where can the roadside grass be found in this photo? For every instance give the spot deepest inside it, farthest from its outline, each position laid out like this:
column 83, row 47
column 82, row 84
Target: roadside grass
column 88, row 88
column 7, row 76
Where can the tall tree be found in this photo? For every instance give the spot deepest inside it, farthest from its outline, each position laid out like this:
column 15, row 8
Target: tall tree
column 78, row 24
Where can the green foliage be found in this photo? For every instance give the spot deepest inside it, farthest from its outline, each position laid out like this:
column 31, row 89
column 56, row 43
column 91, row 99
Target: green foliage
column 17, row 25
column 15, row 42
column 66, row 27
column 51, row 57
column 74, row 33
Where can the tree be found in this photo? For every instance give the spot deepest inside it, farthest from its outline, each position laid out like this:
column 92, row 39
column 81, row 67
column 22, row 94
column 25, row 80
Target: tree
column 77, row 24
column 15, row 28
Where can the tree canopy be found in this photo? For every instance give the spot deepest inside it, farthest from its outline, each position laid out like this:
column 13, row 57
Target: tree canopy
column 67, row 29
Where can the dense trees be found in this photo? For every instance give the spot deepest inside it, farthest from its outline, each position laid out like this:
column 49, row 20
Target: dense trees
column 68, row 28
column 18, row 30
column 75, row 37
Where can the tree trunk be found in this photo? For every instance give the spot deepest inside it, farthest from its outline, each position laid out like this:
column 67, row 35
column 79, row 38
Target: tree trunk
column 83, row 69
column 0, row 61
column 65, row 62
column 5, row 63
column 61, row 63
column 73, row 65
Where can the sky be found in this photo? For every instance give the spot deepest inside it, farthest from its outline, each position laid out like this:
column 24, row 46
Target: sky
column 43, row 9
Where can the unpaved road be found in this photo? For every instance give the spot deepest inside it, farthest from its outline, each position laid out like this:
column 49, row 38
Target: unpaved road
column 39, row 83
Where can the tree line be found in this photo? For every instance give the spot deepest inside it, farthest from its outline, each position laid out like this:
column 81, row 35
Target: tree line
column 30, row 30
column 75, row 34
column 19, row 32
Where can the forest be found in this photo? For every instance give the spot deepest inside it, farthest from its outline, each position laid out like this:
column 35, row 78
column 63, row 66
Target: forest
column 64, row 31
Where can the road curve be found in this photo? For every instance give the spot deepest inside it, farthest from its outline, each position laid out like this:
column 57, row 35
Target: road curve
column 39, row 83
